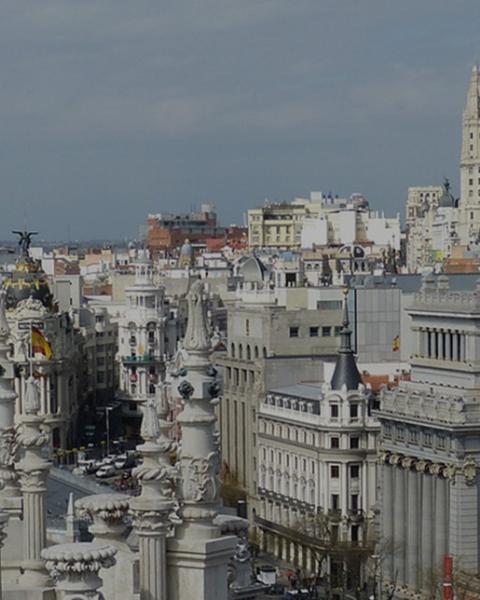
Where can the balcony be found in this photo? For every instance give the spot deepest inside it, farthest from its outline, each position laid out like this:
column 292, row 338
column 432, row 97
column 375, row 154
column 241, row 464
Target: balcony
column 355, row 515
column 335, row 514
column 139, row 360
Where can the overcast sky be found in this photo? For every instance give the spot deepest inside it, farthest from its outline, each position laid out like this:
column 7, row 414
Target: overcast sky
column 110, row 109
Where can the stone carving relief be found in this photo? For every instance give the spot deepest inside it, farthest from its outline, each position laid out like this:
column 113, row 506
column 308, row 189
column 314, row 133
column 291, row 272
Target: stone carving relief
column 200, row 483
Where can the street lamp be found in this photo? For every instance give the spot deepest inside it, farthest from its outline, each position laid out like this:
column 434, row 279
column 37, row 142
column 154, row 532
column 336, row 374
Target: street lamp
column 107, row 420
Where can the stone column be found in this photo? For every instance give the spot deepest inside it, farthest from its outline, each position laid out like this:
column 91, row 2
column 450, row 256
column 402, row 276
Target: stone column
column 387, row 515
column 399, row 524
column 33, row 479
column 426, row 526
column 455, row 345
column 448, row 344
column 151, row 510
column 198, row 556
column 3, row 535
column 106, row 514
column 76, row 568
column 413, row 521
column 441, row 525
column 9, row 487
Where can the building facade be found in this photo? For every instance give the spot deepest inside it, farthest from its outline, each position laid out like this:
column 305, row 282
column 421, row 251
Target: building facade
column 430, row 444
column 141, row 344
column 317, row 471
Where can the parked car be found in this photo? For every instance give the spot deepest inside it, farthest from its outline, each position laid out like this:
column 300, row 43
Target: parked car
column 105, row 471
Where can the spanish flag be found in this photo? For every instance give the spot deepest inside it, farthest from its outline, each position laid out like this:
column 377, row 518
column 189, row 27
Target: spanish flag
column 40, row 344
column 396, row 343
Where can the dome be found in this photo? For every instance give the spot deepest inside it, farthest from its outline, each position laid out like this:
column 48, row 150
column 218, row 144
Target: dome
column 253, row 270
column 186, row 249
column 27, row 281
column 186, row 256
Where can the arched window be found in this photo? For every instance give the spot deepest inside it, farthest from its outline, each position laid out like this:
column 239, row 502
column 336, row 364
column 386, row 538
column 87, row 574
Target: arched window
column 249, row 353
column 232, row 350
column 240, row 351
column 264, row 352
column 256, row 351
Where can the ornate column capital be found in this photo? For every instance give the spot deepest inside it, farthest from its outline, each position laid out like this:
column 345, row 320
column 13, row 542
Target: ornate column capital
column 384, row 457
column 409, row 462
column 106, row 512
column 151, row 522
column 396, row 460
column 437, row 469
column 469, row 470
column 422, row 466
column 76, row 566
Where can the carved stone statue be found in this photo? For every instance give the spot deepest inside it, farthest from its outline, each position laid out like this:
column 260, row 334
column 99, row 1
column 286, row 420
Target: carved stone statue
column 196, row 336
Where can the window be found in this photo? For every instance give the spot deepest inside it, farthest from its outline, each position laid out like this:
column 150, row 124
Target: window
column 329, row 304
column 441, row 442
column 335, row 501
column 334, row 471
column 313, row 331
column 354, row 502
column 387, row 431
column 400, row 433
column 353, row 411
column 293, row 332
column 413, row 436
column 247, row 327
column 354, row 471
column 338, row 330
column 326, row 331
column 355, row 534
column 334, row 442
column 334, row 411
column 354, row 443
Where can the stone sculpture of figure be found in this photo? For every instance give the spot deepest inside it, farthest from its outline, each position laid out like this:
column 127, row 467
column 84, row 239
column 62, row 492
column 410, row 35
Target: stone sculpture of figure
column 150, row 429
column 196, row 336
column 25, row 240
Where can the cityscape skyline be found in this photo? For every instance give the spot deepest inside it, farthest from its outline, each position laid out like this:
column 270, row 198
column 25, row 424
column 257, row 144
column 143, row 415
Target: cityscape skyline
column 122, row 112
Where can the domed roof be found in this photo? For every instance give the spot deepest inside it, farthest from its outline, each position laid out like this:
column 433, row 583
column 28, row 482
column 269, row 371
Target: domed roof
column 27, row 281
column 253, row 269
column 446, row 200
column 186, row 249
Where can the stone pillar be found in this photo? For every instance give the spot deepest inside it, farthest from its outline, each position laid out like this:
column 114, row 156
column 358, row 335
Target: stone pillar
column 76, row 568
column 448, row 345
column 455, row 345
column 198, row 556
column 387, row 516
column 151, row 510
column 441, row 531
column 426, row 526
column 412, row 523
column 33, row 470
column 152, row 531
column 399, row 524
column 3, row 535
column 464, row 519
column 106, row 514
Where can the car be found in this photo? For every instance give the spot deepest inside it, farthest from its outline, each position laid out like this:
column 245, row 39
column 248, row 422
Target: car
column 120, row 463
column 105, row 471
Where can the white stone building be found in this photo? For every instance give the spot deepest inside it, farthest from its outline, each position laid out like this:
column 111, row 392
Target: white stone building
column 430, row 444
column 141, row 344
column 317, row 460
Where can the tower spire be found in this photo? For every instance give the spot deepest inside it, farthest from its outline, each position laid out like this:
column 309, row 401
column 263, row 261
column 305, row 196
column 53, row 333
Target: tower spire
column 346, row 372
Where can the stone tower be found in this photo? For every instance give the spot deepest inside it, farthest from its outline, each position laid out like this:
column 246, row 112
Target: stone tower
column 470, row 162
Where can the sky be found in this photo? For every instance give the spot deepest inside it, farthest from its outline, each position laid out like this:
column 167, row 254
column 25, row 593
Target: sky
column 113, row 109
